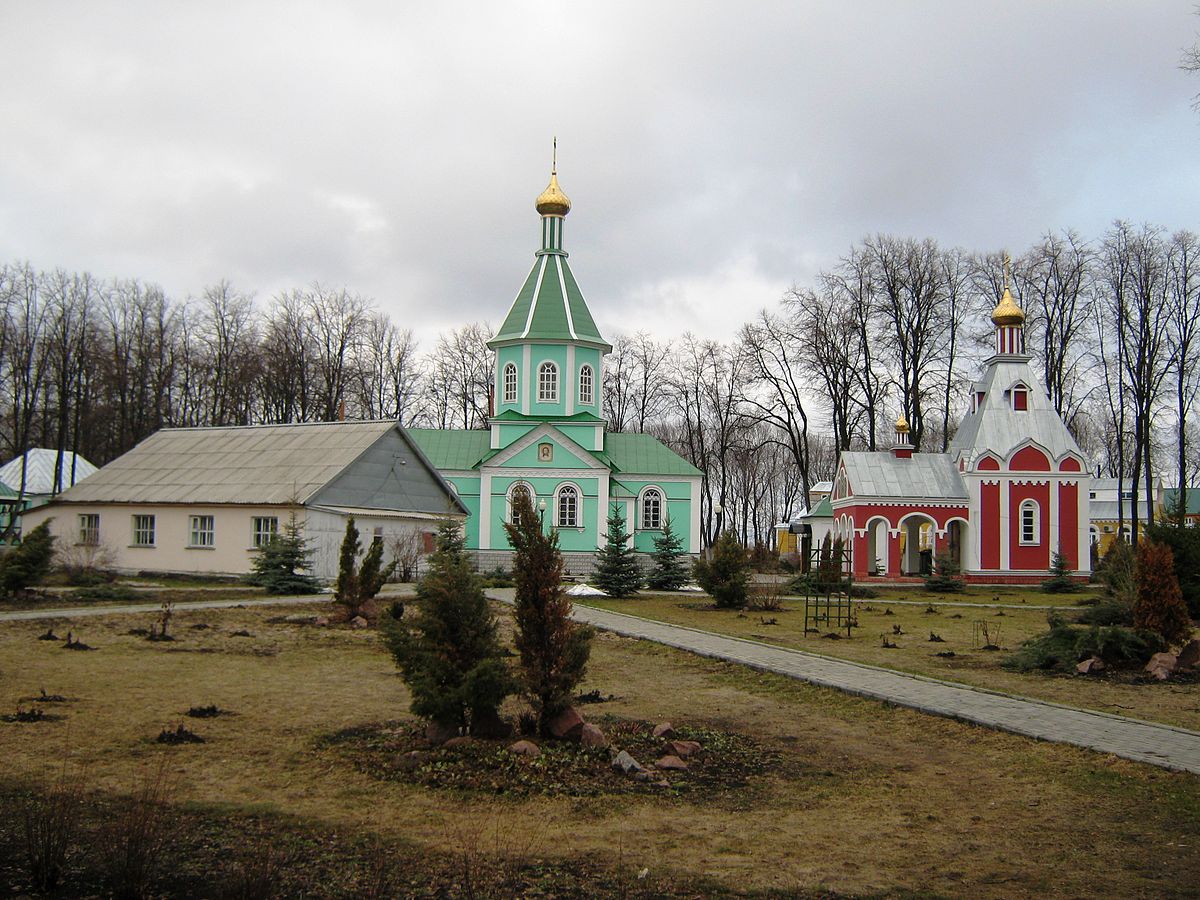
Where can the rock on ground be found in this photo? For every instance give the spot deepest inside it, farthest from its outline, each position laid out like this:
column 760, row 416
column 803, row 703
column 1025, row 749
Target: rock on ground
column 1162, row 665
column 568, row 724
column 626, row 763
column 525, row 748
column 671, row 762
column 1189, row 656
column 1090, row 666
column 437, row 733
column 683, row 749
column 663, row 729
column 592, row 736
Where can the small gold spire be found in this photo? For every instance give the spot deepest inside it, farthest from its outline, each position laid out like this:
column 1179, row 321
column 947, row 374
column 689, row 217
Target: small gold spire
column 1007, row 312
column 902, row 425
column 552, row 201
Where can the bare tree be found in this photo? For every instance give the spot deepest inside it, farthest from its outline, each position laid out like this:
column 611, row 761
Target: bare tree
column 459, row 378
column 1183, row 279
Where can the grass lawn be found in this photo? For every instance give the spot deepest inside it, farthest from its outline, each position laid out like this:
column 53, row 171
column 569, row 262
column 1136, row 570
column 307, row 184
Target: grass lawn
column 961, row 629
column 863, row 798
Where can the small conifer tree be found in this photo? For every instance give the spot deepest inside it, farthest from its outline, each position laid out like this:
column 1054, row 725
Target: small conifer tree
column 668, row 572
column 945, row 576
column 553, row 649
column 617, row 573
column 1060, row 580
column 356, row 584
column 282, row 564
column 28, row 562
column 1159, row 606
column 726, row 576
column 1117, row 572
column 449, row 653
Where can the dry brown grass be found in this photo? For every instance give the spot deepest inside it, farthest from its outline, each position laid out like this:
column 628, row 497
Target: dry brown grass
column 889, row 800
column 1127, row 695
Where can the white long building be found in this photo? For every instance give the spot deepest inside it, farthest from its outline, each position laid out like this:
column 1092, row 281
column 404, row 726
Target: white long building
column 202, row 500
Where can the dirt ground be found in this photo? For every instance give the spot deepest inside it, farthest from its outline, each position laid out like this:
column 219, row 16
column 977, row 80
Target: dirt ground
column 873, row 799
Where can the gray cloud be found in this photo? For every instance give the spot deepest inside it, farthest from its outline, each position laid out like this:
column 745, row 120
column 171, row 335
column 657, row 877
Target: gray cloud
column 715, row 153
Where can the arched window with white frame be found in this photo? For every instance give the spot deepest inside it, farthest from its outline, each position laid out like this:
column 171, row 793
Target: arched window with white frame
column 1031, row 516
column 510, row 383
column 513, row 492
column 586, row 385
column 568, row 506
column 651, row 509
column 547, row 383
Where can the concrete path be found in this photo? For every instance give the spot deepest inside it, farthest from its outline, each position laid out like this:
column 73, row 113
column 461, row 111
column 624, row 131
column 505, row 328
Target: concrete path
column 1159, row 745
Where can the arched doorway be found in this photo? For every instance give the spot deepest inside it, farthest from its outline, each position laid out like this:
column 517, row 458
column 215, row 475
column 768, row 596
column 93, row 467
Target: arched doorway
column 919, row 534
column 957, row 535
column 877, row 546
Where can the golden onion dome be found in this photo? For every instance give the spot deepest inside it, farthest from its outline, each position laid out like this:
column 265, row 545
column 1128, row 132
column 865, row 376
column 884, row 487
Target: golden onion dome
column 1007, row 312
column 902, row 425
column 552, row 201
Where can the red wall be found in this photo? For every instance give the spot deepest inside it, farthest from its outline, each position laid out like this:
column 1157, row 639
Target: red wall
column 1037, row 556
column 989, row 526
column 1068, row 522
column 1030, row 459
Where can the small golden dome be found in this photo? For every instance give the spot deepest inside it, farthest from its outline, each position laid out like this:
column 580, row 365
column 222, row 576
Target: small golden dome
column 1007, row 312
column 902, row 425
column 552, row 201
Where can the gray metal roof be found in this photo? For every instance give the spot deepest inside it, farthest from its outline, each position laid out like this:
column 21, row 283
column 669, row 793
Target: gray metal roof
column 998, row 428
column 925, row 476
column 269, row 464
column 39, row 471
column 1106, row 510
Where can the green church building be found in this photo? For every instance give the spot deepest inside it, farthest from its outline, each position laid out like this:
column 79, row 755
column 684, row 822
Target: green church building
column 546, row 435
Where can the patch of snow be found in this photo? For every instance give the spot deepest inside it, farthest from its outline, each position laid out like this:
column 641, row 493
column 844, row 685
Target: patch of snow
column 693, row 587
column 585, row 590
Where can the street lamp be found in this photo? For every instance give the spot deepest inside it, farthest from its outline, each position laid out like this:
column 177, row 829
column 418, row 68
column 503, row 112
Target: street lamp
column 542, row 510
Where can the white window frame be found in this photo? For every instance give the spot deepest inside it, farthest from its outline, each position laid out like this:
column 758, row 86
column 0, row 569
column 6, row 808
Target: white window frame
column 143, row 530
column 509, row 381
column 548, row 382
column 509, row 515
column 202, row 532
column 1031, row 523
column 576, row 507
column 645, row 523
column 587, row 385
column 262, row 530
column 89, row 529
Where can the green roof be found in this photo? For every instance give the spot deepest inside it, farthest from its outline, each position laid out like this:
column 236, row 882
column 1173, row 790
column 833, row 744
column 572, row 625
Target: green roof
column 582, row 418
column 643, row 454
column 554, row 317
column 823, row 510
column 452, row 448
column 637, row 454
column 1193, row 500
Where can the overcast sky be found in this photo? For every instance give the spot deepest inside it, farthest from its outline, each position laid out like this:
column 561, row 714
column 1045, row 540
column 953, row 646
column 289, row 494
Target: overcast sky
column 714, row 153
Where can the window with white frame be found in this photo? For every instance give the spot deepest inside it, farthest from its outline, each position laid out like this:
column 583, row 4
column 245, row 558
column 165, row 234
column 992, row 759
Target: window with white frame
column 547, row 383
column 263, row 530
column 200, row 531
column 585, row 385
column 89, row 529
column 143, row 531
column 514, row 492
column 568, row 507
column 652, row 509
column 510, row 383
column 1030, row 522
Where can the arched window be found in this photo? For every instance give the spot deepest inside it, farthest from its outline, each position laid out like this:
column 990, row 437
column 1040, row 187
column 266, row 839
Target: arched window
column 1030, row 522
column 510, row 383
column 652, row 509
column 585, row 385
column 513, row 492
column 547, row 383
column 1094, row 534
column 568, row 507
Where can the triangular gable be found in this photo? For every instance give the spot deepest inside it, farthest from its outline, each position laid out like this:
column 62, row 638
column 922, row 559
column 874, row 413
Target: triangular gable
column 521, row 453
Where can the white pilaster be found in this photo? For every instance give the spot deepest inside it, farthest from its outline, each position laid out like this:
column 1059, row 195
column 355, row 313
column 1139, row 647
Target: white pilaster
column 526, row 377
column 1055, row 543
column 485, row 511
column 694, row 530
column 571, row 381
column 1004, row 523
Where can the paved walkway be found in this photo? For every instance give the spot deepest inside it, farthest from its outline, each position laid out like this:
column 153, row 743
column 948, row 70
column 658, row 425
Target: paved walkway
column 1159, row 745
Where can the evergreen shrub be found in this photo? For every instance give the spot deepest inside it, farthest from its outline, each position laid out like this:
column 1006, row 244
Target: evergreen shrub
column 726, row 576
column 667, row 571
column 617, row 571
column 281, row 565
column 1159, row 606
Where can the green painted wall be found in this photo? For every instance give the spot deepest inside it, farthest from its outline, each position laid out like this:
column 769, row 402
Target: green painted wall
column 569, row 539
column 557, row 354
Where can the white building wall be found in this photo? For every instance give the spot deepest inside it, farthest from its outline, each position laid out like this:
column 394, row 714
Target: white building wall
column 232, row 552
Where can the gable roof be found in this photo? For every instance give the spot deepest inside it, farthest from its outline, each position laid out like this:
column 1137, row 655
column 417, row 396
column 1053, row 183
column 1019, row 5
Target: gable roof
column 925, row 476
column 39, row 471
column 255, row 464
column 1171, row 497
